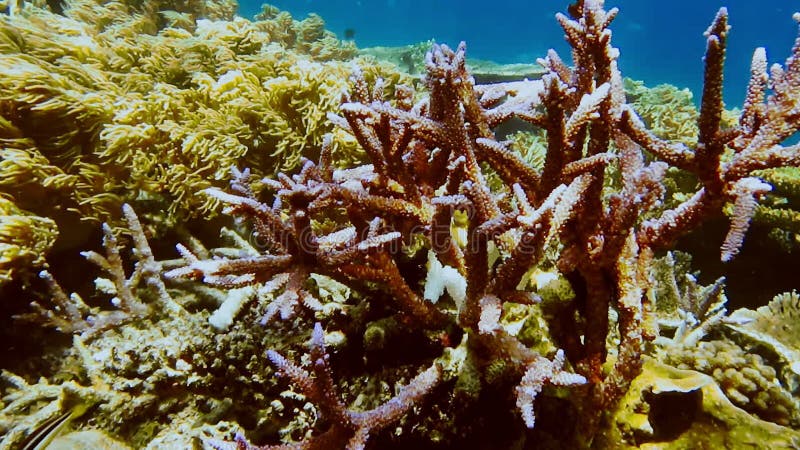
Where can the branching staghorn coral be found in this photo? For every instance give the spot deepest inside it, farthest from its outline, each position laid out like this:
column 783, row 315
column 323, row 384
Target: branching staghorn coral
column 398, row 188
column 71, row 315
column 431, row 248
column 763, row 125
column 349, row 429
column 426, row 164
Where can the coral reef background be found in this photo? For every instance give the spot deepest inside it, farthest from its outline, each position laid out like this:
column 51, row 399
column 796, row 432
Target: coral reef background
column 218, row 232
column 518, row 32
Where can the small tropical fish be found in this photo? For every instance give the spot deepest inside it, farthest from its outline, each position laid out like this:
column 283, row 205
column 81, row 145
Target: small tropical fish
column 41, row 437
column 44, row 433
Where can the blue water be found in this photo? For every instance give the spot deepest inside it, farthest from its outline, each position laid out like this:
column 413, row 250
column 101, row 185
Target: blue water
column 659, row 44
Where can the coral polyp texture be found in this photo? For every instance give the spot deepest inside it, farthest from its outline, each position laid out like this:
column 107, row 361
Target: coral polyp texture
column 413, row 279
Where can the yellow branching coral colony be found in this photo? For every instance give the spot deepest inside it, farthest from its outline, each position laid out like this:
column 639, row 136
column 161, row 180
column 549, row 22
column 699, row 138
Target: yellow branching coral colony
column 374, row 214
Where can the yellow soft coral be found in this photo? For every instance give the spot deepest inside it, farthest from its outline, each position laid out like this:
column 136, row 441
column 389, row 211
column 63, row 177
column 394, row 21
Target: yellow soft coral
column 668, row 111
column 24, row 240
column 114, row 102
column 204, row 100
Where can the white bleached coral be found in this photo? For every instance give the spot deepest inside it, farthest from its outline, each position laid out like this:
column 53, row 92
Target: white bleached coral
column 441, row 278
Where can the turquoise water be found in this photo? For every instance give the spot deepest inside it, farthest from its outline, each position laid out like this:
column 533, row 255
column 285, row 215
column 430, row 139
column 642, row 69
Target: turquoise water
column 662, row 44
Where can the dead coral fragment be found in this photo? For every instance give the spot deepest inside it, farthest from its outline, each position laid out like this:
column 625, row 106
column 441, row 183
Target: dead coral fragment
column 28, row 409
column 682, row 304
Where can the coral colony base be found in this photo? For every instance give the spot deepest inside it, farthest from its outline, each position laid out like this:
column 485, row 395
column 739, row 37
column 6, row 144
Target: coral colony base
column 420, row 281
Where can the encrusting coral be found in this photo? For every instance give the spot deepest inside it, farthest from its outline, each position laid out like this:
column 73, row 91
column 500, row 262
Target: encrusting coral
column 775, row 326
column 672, row 408
column 532, row 294
column 744, row 377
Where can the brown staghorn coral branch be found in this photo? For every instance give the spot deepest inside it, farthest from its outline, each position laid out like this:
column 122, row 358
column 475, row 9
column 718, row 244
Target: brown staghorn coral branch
column 755, row 141
column 382, row 269
column 268, row 224
column 753, row 109
column 587, row 110
column 539, row 373
column 525, row 255
column 348, row 429
column 710, row 147
column 664, row 230
column 509, row 165
column 391, row 411
column 357, row 116
column 588, row 164
column 375, row 204
column 363, row 248
column 745, row 191
column 556, row 65
column 631, row 269
column 540, row 225
column 676, row 154
column 558, row 151
column 230, row 272
column 781, row 115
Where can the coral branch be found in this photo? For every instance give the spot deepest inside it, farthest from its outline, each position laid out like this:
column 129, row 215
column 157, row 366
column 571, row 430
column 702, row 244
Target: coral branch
column 348, row 429
column 539, row 373
column 72, row 315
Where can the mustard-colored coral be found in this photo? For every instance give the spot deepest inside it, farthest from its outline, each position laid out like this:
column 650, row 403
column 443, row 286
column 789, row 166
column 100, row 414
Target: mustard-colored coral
column 307, row 36
column 781, row 209
column 668, row 111
column 114, row 102
column 532, row 146
column 669, row 408
column 745, row 378
column 24, row 240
